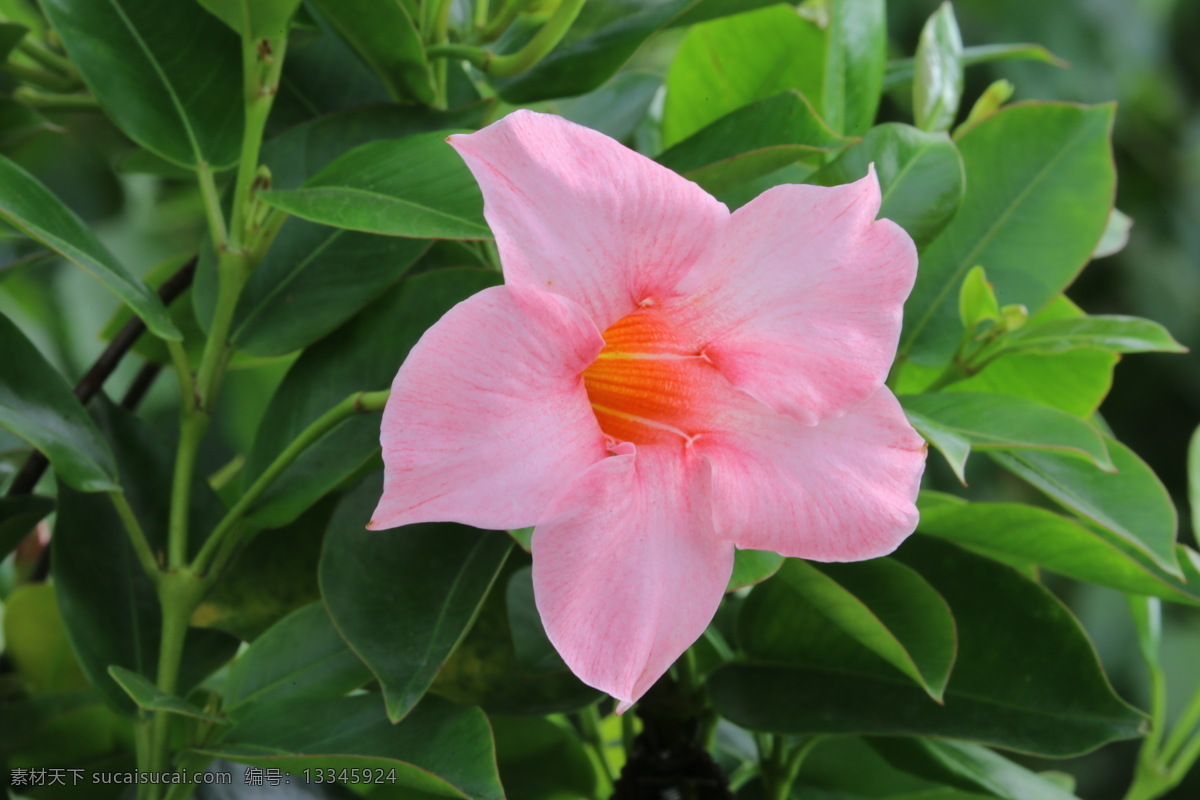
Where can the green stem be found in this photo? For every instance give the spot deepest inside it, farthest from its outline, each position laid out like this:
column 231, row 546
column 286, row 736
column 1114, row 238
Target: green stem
column 475, row 56
column 541, row 44
column 178, row 593
column 47, row 57
column 44, row 101
column 142, row 740
column 40, row 77
column 589, row 723
column 262, row 62
column 512, row 9
column 212, row 206
column 1187, row 725
column 141, row 545
column 357, row 403
column 193, row 425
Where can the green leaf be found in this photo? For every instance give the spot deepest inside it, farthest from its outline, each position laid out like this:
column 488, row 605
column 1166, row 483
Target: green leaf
column 1040, row 182
column 881, row 605
column 1116, row 234
column 618, row 107
column 37, row 405
column 542, row 760
column 172, row 82
column 362, row 355
column 996, row 422
column 1116, row 334
column 1193, row 471
column 938, row 77
column 920, row 175
column 19, row 515
column 11, row 34
column 989, row 102
column 603, row 37
column 110, row 607
column 416, row 186
column 149, row 698
column 254, row 19
column 1023, row 536
column 385, row 37
column 753, row 141
column 36, row 644
column 977, row 300
column 968, row 767
column 302, row 655
column 299, row 293
column 440, row 749
column 751, row 567
column 902, row 70
column 854, row 64
column 1007, row 689
column 28, row 205
column 428, row 580
column 1130, row 502
column 730, row 62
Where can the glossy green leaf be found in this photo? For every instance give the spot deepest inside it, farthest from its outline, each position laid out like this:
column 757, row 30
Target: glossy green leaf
column 603, row 37
column 1130, row 502
column 300, row 656
column 150, row 698
column 109, row 605
column 880, row 605
column 362, row 355
column 1024, row 536
column 1116, row 334
column 440, row 749
column 977, row 300
column 618, row 107
column 854, row 64
column 968, row 767
column 384, row 35
column 727, row 63
column 1040, row 184
column 938, row 76
column 172, row 82
column 35, row 642
column 29, row 206
column 901, row 71
column 920, row 175
column 506, row 663
column 988, row 103
column 753, row 566
column 37, row 405
column 753, row 141
column 427, row 580
column 254, row 19
column 19, row 515
column 416, row 186
column 542, row 760
column 996, row 422
column 300, row 292
column 1193, row 471
column 1007, row 688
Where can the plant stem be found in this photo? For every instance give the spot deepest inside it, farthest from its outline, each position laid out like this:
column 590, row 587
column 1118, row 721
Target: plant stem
column 47, row 57
column 137, row 537
column 212, row 205
column 40, row 77
column 541, row 44
column 44, row 101
column 357, row 403
column 589, row 723
column 178, row 594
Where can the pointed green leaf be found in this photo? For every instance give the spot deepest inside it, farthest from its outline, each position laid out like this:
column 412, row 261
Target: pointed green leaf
column 302, row 655
column 30, row 206
column 920, row 176
column 416, row 186
column 854, row 64
column 751, row 567
column 429, row 580
column 882, row 605
column 977, row 300
column 172, row 82
column 968, row 767
column 440, row 749
column 37, row 405
column 1007, row 689
column 752, row 141
column 1116, row 234
column 1024, row 536
column 254, row 19
column 1116, row 334
column 150, row 698
column 938, row 79
column 996, row 422
column 1040, row 183
column 901, row 70
column 1130, row 502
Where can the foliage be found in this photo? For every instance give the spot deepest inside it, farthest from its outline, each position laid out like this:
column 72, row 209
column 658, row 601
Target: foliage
column 210, row 597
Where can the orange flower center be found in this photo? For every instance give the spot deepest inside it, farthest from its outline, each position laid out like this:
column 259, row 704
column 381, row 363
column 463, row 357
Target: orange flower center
column 645, row 383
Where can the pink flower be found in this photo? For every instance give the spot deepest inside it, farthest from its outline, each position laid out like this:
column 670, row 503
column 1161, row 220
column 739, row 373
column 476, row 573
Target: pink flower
column 658, row 382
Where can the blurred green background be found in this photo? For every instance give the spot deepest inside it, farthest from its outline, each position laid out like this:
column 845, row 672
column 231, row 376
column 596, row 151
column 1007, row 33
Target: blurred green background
column 1142, row 53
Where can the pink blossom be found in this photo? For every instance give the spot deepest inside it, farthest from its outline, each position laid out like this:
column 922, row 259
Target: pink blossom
column 658, row 382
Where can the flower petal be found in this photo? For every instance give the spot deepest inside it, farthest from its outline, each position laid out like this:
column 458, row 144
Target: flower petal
column 800, row 306
column 488, row 418
column 843, row 490
column 627, row 572
column 577, row 213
